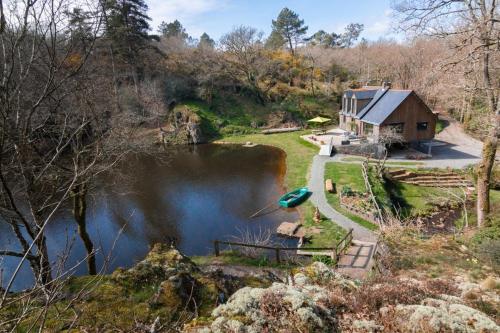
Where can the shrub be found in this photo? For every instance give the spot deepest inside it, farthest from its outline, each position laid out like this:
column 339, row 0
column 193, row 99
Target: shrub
column 393, row 291
column 236, row 130
column 323, row 259
column 347, row 191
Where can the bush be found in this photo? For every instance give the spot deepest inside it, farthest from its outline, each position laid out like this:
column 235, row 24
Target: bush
column 393, row 291
column 323, row 259
column 347, row 191
column 236, row 130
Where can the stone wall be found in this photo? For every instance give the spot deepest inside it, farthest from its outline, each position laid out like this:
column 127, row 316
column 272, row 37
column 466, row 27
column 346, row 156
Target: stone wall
column 373, row 150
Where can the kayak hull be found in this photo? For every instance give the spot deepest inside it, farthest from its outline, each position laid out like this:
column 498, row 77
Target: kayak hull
column 294, row 198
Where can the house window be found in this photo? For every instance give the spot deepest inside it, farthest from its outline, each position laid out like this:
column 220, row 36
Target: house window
column 367, row 129
column 422, row 126
column 397, row 127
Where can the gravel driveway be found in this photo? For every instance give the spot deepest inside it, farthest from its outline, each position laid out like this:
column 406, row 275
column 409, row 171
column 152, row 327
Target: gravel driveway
column 453, row 148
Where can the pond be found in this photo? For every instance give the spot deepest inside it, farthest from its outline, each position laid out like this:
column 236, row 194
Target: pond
column 190, row 194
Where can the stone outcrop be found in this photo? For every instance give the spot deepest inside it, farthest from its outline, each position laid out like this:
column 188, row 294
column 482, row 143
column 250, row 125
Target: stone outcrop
column 184, row 128
column 438, row 315
column 299, row 304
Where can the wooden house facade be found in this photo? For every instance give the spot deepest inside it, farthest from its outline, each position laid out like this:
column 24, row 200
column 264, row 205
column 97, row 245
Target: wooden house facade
column 369, row 111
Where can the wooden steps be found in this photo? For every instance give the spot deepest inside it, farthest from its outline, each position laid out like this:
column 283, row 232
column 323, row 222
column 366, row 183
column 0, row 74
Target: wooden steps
column 445, row 179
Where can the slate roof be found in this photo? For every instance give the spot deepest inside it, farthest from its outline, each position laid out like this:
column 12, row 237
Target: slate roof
column 378, row 94
column 384, row 106
column 361, row 93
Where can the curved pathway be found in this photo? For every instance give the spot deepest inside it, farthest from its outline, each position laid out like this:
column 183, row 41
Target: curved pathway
column 318, row 198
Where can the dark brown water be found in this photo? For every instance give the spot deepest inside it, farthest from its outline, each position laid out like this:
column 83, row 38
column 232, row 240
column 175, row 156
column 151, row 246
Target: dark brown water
column 191, row 194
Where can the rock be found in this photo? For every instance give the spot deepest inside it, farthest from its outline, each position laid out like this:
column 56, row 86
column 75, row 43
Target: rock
column 489, row 283
column 435, row 315
column 283, row 307
column 368, row 326
column 278, row 307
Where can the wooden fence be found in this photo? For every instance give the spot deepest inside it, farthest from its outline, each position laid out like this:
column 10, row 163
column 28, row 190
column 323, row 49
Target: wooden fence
column 336, row 250
column 364, row 171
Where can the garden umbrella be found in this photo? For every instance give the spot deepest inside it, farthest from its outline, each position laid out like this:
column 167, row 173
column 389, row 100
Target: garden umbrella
column 319, row 120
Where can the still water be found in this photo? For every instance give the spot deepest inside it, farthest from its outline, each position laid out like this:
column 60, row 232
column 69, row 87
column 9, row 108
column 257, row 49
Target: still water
column 191, row 194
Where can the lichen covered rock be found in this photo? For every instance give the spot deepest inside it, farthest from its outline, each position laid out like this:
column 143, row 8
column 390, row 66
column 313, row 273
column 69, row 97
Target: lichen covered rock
column 300, row 305
column 437, row 315
column 161, row 263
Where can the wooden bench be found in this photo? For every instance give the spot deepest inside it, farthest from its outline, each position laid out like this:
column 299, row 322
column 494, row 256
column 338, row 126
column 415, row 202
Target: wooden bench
column 330, row 186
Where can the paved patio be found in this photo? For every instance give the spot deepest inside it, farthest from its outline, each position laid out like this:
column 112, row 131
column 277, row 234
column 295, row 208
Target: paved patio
column 335, row 134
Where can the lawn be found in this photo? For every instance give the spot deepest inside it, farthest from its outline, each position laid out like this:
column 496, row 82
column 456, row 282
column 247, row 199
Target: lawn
column 414, row 199
column 348, row 174
column 299, row 156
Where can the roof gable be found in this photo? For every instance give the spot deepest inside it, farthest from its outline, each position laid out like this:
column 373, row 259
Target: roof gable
column 378, row 94
column 384, row 106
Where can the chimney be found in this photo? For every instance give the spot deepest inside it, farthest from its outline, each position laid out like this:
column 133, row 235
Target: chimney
column 386, row 85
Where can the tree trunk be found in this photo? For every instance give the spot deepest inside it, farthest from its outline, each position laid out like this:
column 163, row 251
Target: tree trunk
column 79, row 213
column 290, row 44
column 489, row 147
column 483, row 179
column 45, row 274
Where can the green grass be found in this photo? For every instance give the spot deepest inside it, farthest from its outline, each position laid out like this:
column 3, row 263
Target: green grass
column 379, row 190
column 345, row 174
column 414, row 199
column 330, row 235
column 440, row 126
column 350, row 175
column 361, row 159
column 236, row 258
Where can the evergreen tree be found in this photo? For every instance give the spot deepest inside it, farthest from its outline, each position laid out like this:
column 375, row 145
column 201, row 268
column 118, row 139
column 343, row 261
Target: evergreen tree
column 79, row 29
column 351, row 34
column 275, row 41
column 173, row 29
column 290, row 27
column 127, row 26
column 325, row 39
column 206, row 41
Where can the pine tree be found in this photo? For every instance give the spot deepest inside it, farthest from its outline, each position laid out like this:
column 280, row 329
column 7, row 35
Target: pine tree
column 275, row 41
column 173, row 29
column 206, row 41
column 79, row 29
column 290, row 27
column 127, row 26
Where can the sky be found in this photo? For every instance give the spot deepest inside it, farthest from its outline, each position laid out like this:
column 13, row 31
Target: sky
column 217, row 17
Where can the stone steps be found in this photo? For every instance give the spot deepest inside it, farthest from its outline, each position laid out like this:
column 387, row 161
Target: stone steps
column 358, row 259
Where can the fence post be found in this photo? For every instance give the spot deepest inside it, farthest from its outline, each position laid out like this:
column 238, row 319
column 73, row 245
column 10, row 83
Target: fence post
column 216, row 248
column 277, row 255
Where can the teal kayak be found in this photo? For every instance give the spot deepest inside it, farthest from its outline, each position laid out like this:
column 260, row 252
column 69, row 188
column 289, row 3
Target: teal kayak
column 292, row 199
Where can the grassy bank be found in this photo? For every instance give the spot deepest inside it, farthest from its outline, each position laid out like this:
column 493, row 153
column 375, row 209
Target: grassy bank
column 299, row 156
column 346, row 174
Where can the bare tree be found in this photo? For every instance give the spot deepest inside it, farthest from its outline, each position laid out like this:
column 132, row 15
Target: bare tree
column 243, row 48
column 388, row 137
column 39, row 155
column 472, row 29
